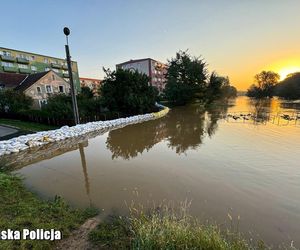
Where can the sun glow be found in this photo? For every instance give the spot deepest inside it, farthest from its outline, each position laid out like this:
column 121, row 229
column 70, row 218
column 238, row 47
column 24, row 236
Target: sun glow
column 284, row 72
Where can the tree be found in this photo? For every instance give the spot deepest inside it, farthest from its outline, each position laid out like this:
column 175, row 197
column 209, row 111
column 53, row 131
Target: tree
column 265, row 84
column 12, row 101
column 186, row 78
column 289, row 88
column 128, row 92
column 219, row 87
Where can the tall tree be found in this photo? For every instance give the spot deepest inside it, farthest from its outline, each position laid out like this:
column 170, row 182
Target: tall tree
column 128, row 92
column 185, row 78
column 265, row 84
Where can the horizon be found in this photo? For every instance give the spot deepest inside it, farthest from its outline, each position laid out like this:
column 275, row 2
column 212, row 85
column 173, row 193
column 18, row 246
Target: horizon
column 236, row 39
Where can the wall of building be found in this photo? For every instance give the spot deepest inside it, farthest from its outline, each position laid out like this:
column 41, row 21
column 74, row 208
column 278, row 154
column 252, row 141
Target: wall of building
column 92, row 84
column 158, row 72
column 26, row 63
column 40, row 90
column 141, row 66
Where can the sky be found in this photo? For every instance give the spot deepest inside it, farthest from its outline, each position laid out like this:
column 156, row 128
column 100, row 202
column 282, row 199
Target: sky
column 237, row 38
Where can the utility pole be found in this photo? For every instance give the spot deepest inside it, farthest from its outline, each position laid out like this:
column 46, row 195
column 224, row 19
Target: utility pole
column 73, row 93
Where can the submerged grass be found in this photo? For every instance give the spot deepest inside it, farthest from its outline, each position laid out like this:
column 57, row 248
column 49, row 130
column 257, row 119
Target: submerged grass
column 21, row 209
column 164, row 228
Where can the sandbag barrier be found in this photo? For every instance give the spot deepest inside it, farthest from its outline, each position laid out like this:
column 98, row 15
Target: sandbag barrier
column 24, row 142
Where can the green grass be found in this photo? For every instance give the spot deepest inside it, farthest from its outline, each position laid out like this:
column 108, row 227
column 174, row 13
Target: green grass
column 165, row 229
column 27, row 126
column 21, row 209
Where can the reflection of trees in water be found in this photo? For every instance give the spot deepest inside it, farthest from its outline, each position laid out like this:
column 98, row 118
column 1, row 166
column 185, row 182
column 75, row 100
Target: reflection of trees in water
column 215, row 113
column 261, row 108
column 131, row 140
column 184, row 128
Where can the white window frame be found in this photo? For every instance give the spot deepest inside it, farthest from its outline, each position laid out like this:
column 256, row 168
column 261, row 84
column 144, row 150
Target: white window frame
column 42, row 102
column 50, row 89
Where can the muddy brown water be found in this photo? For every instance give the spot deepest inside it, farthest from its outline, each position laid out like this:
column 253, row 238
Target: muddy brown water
column 247, row 167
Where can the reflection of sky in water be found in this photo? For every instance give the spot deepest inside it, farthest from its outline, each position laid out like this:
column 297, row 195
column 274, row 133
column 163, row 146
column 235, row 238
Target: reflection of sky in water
column 222, row 165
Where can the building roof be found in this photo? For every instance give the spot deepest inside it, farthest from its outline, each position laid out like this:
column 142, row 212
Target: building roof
column 30, row 80
column 89, row 79
column 20, row 81
column 11, row 80
column 135, row 60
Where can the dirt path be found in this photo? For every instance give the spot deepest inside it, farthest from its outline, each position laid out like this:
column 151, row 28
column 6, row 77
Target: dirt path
column 79, row 238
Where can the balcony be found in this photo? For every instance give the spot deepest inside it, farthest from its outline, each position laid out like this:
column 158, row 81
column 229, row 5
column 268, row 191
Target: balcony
column 22, row 60
column 55, row 65
column 25, row 71
column 65, row 66
column 7, row 58
column 10, row 69
column 66, row 75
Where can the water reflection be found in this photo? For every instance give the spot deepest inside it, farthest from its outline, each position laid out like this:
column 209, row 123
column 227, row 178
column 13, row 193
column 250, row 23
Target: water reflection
column 84, row 169
column 183, row 129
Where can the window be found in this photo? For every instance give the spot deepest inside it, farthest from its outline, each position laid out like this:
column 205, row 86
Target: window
column 46, row 60
column 22, row 66
column 39, row 90
column 56, row 70
column 7, row 64
column 61, row 89
column 6, row 53
column 48, row 88
column 47, row 69
column 42, row 102
column 34, row 68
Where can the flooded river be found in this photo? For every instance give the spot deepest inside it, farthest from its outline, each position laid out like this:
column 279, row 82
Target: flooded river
column 241, row 159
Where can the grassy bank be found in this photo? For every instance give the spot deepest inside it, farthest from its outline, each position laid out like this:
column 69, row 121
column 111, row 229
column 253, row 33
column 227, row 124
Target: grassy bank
column 26, row 126
column 165, row 229
column 21, row 209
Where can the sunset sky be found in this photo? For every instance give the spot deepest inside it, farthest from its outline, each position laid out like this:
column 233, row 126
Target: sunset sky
column 237, row 38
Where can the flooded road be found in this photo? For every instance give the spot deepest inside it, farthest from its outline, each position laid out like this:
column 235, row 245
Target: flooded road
column 242, row 159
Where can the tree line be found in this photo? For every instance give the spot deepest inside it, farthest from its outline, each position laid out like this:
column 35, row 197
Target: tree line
column 128, row 93
column 267, row 84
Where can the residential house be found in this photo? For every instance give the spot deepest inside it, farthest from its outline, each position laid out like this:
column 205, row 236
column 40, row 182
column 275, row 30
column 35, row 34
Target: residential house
column 38, row 86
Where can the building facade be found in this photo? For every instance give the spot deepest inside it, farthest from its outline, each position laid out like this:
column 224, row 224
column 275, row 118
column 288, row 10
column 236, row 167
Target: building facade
column 91, row 83
column 21, row 62
column 38, row 86
column 155, row 70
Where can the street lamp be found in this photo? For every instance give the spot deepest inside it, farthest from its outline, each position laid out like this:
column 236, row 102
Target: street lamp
column 73, row 93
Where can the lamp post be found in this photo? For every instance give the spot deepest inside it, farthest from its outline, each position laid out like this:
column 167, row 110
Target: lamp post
column 73, row 93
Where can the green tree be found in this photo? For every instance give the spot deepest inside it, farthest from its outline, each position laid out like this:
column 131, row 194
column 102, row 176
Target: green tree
column 12, row 101
column 127, row 92
column 265, row 84
column 185, row 79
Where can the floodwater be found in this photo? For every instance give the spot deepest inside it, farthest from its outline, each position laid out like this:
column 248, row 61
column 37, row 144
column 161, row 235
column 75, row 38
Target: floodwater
column 222, row 159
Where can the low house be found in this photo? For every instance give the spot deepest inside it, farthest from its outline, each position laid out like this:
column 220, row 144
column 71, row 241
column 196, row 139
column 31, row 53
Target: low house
column 38, row 86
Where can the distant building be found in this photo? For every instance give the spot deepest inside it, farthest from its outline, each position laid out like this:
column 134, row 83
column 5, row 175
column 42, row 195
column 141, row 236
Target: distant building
column 38, row 86
column 91, row 83
column 22, row 62
column 155, row 70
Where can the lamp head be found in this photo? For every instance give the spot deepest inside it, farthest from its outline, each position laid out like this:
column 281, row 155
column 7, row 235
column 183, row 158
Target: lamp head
column 66, row 31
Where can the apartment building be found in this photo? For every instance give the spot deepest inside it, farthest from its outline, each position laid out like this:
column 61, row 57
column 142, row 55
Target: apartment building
column 22, row 62
column 91, row 83
column 154, row 69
